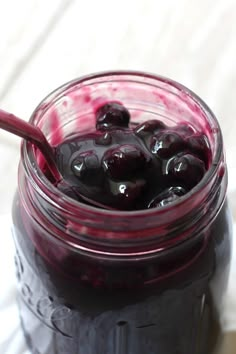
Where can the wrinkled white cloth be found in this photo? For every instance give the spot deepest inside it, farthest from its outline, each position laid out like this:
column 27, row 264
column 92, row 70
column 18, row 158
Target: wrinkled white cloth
column 11, row 337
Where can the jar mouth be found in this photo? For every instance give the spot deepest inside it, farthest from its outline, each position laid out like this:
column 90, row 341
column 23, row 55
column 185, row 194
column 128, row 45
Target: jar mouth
column 46, row 188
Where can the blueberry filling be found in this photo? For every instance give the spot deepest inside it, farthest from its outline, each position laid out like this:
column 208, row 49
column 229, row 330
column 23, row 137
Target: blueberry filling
column 131, row 168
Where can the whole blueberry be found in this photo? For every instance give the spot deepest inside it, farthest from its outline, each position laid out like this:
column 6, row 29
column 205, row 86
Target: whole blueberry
column 188, row 169
column 166, row 144
column 125, row 160
column 112, row 115
column 167, row 196
column 199, row 145
column 126, row 193
column 149, row 127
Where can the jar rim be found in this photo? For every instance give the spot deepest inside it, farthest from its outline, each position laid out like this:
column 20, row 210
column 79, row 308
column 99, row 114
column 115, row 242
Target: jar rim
column 44, row 184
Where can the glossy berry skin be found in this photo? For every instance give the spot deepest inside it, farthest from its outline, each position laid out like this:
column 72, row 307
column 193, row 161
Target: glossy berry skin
column 166, row 197
column 199, row 145
column 124, row 161
column 85, row 165
column 149, row 127
column 104, row 139
column 129, row 168
column 112, row 115
column 166, row 144
column 188, row 169
column 184, row 129
column 127, row 193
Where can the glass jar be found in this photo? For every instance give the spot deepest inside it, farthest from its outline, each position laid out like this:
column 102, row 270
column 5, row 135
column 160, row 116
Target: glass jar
column 121, row 282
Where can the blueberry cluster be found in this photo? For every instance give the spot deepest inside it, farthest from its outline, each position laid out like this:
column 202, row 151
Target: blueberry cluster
column 133, row 167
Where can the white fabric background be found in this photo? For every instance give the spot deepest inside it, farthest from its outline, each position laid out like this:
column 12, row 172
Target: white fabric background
column 46, row 43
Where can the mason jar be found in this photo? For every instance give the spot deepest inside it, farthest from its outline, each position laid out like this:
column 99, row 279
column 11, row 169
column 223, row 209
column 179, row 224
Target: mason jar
column 96, row 281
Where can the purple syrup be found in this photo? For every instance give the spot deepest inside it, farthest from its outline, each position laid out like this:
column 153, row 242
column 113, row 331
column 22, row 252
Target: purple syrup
column 80, row 305
column 128, row 168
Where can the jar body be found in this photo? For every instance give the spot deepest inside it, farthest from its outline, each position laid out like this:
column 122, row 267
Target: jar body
column 65, row 314
column 93, row 282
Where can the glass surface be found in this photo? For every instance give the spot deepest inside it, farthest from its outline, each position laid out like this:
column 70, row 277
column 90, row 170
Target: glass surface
column 82, row 306
column 104, row 282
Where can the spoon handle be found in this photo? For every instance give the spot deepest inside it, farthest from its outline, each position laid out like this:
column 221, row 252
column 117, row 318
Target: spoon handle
column 19, row 127
column 27, row 131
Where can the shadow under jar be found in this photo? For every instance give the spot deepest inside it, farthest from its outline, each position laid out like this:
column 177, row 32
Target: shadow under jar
column 94, row 281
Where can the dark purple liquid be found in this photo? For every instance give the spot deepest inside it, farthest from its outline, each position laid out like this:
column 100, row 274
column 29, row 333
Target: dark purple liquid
column 164, row 305
column 71, row 303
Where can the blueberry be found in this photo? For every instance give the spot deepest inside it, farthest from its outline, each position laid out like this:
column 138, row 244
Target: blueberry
column 125, row 194
column 112, row 115
column 148, row 127
column 69, row 190
column 184, row 129
column 125, row 160
column 86, row 167
column 150, row 165
column 167, row 196
column 167, row 144
column 78, row 167
column 188, row 169
column 199, row 145
column 63, row 153
column 104, row 139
